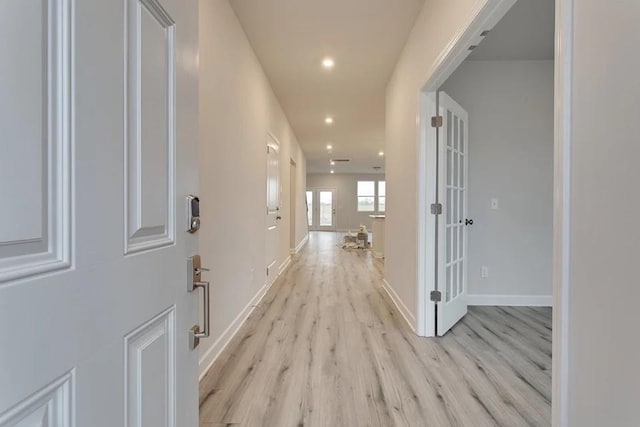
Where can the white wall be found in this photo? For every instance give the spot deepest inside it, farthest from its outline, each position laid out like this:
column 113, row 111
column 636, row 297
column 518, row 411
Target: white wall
column 604, row 347
column 438, row 24
column 237, row 109
column 510, row 106
column 347, row 215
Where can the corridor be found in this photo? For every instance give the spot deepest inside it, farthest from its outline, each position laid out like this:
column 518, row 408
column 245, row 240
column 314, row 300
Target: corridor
column 326, row 347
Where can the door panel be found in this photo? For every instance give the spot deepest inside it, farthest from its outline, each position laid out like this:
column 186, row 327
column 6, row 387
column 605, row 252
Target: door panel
column 94, row 311
column 453, row 190
column 273, row 207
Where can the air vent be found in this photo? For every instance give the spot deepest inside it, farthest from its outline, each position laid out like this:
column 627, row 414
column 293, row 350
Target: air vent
column 341, row 160
column 377, row 168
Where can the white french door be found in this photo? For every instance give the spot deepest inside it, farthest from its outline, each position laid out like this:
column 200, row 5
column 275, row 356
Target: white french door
column 453, row 160
column 274, row 215
column 98, row 111
column 321, row 205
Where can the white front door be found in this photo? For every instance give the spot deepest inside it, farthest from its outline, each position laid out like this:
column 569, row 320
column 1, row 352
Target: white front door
column 274, row 215
column 98, row 108
column 452, row 227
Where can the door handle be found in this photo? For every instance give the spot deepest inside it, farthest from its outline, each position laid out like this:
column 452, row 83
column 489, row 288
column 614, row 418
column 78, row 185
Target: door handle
column 194, row 281
column 468, row 222
column 278, row 217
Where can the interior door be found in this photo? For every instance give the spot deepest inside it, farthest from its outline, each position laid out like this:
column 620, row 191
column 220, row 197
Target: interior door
column 98, row 111
column 453, row 162
column 274, row 214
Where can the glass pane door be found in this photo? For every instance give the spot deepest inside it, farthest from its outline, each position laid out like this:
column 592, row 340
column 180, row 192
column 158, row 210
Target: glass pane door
column 326, row 208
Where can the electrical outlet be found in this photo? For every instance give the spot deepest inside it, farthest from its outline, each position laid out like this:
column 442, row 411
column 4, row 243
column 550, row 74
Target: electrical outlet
column 484, row 272
column 494, row 204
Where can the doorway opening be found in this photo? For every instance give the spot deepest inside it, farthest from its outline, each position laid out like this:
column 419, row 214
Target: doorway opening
column 431, row 257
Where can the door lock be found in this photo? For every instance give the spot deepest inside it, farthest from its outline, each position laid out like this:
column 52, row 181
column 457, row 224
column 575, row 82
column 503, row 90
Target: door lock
column 193, row 213
column 468, row 221
column 194, row 281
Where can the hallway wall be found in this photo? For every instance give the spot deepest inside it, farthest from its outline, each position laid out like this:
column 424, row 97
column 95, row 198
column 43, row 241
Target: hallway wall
column 434, row 29
column 237, row 110
column 510, row 106
column 347, row 215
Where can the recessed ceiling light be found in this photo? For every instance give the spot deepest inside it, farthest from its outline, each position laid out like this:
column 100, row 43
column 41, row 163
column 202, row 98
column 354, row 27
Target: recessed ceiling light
column 328, row 120
column 328, row 63
column 329, row 147
column 332, row 171
column 332, row 162
column 380, row 153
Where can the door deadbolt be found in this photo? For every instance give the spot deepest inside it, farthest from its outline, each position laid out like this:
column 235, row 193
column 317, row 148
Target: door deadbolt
column 193, row 213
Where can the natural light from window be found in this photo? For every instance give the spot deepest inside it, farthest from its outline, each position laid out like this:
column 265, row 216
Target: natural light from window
column 366, row 196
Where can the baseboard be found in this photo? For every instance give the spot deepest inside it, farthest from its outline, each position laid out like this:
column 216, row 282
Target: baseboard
column 514, row 300
column 303, row 242
column 406, row 314
column 284, row 265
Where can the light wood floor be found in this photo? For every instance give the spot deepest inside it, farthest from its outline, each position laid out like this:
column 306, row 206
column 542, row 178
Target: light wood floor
column 326, row 347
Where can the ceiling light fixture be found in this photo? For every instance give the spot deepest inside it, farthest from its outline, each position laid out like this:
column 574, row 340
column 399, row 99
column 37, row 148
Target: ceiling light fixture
column 380, row 153
column 328, row 63
column 332, row 171
column 332, row 163
column 328, row 120
column 329, row 147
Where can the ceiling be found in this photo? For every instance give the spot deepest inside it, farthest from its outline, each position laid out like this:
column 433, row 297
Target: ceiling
column 525, row 33
column 364, row 37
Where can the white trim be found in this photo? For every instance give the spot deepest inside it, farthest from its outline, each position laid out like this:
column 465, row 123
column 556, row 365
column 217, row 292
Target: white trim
column 511, row 300
column 402, row 309
column 212, row 354
column 303, row 242
column 284, row 265
column 562, row 211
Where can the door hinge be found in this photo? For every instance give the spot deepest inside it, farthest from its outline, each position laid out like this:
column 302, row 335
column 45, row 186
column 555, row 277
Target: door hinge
column 436, row 296
column 436, row 209
column 436, row 121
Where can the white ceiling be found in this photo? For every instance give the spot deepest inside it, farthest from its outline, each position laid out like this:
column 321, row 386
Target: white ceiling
column 525, row 33
column 365, row 37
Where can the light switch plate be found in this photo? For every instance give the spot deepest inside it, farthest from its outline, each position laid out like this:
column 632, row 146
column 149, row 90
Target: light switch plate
column 494, row 204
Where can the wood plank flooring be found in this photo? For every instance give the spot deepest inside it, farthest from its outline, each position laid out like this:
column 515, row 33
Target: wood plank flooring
column 326, row 347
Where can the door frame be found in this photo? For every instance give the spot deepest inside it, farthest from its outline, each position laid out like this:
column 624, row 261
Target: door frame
column 484, row 16
column 316, row 208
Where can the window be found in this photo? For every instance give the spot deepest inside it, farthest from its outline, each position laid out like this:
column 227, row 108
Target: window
column 382, row 191
column 366, row 196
